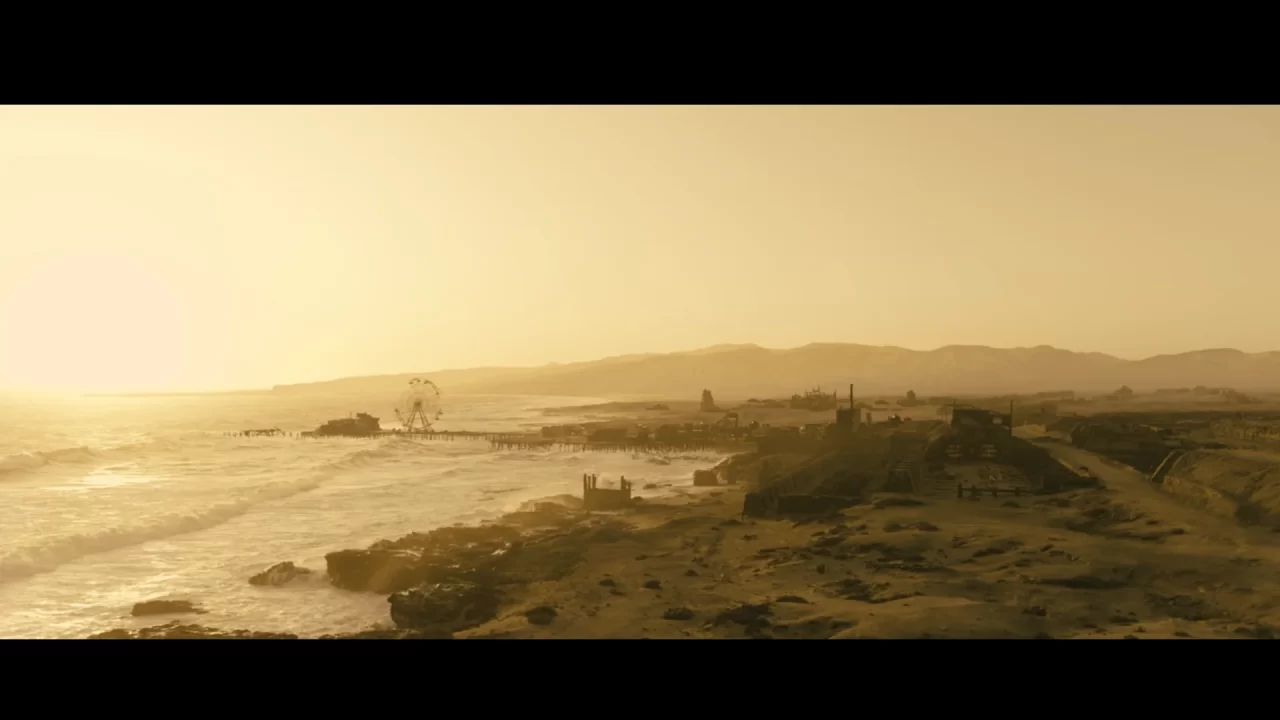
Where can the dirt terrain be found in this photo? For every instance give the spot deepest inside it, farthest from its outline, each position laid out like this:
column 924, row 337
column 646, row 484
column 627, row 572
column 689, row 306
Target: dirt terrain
column 1124, row 561
column 1127, row 559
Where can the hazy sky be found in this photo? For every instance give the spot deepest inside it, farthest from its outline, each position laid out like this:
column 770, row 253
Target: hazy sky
column 158, row 248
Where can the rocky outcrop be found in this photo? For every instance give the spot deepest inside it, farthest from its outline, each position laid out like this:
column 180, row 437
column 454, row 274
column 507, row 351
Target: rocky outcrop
column 392, row 634
column 704, row 478
column 541, row 615
column 442, row 555
column 279, row 574
column 446, row 554
column 444, row 607
column 453, row 578
column 165, row 607
column 179, row 631
column 376, row 569
column 525, row 543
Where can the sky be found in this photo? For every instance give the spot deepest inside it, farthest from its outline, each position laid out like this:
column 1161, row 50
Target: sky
column 155, row 248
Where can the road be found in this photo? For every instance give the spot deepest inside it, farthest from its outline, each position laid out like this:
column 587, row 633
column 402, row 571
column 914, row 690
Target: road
column 1132, row 488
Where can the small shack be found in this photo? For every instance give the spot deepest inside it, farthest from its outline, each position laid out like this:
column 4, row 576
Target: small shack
column 598, row 498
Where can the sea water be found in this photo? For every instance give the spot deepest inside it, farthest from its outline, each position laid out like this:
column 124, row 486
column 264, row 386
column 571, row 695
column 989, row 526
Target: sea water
column 106, row 502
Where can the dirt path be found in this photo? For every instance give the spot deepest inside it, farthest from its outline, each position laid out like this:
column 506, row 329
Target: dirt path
column 1134, row 489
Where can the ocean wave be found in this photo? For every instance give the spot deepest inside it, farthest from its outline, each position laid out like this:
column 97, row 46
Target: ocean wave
column 26, row 561
column 397, row 449
column 47, row 554
column 23, row 562
column 25, row 462
column 563, row 500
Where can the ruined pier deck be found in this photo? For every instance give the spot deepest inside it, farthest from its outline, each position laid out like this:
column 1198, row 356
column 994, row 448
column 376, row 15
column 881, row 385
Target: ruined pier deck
column 536, row 441
column 443, row 435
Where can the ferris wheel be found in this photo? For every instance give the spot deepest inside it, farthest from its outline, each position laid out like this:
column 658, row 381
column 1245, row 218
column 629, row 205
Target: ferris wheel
column 419, row 406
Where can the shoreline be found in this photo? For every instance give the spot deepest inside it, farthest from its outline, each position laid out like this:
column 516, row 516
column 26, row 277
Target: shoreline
column 1121, row 560
column 534, row 523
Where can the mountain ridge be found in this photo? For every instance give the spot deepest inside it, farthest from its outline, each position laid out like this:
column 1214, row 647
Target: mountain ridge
column 732, row 370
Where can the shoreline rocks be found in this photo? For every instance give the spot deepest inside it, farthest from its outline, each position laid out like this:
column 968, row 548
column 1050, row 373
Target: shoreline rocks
column 165, row 607
column 279, row 574
column 448, row 554
column 446, row 607
column 181, row 631
column 437, row 583
column 705, row 478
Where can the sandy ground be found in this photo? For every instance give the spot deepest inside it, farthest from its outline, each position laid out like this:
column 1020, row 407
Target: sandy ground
column 1121, row 562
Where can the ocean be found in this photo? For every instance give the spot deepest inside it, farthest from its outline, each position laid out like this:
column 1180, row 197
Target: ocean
column 106, row 502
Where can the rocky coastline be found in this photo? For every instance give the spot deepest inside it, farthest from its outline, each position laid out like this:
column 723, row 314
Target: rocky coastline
column 457, row 578
column 1112, row 560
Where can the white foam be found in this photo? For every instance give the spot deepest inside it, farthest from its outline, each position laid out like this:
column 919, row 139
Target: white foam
column 209, row 511
column 46, row 556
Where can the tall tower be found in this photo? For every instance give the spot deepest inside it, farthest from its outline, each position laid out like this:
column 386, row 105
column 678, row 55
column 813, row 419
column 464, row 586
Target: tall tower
column 848, row 419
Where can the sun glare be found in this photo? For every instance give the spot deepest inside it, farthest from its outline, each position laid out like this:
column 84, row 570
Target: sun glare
column 94, row 322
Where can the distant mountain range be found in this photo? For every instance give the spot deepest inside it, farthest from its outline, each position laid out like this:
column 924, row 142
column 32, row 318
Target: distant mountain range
column 741, row 371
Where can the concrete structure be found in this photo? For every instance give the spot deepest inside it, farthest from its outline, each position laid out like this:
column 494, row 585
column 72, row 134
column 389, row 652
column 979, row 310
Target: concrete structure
column 973, row 434
column 598, row 498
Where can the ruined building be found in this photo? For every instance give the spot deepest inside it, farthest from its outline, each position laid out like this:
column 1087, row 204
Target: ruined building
column 708, row 402
column 814, row 400
column 360, row 425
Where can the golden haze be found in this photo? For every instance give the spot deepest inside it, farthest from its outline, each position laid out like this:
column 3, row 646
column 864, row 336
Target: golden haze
column 167, row 248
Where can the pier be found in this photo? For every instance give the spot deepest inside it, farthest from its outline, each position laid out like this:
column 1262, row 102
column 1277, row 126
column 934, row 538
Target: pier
column 444, row 435
column 268, row 432
column 526, row 441
column 536, row 442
